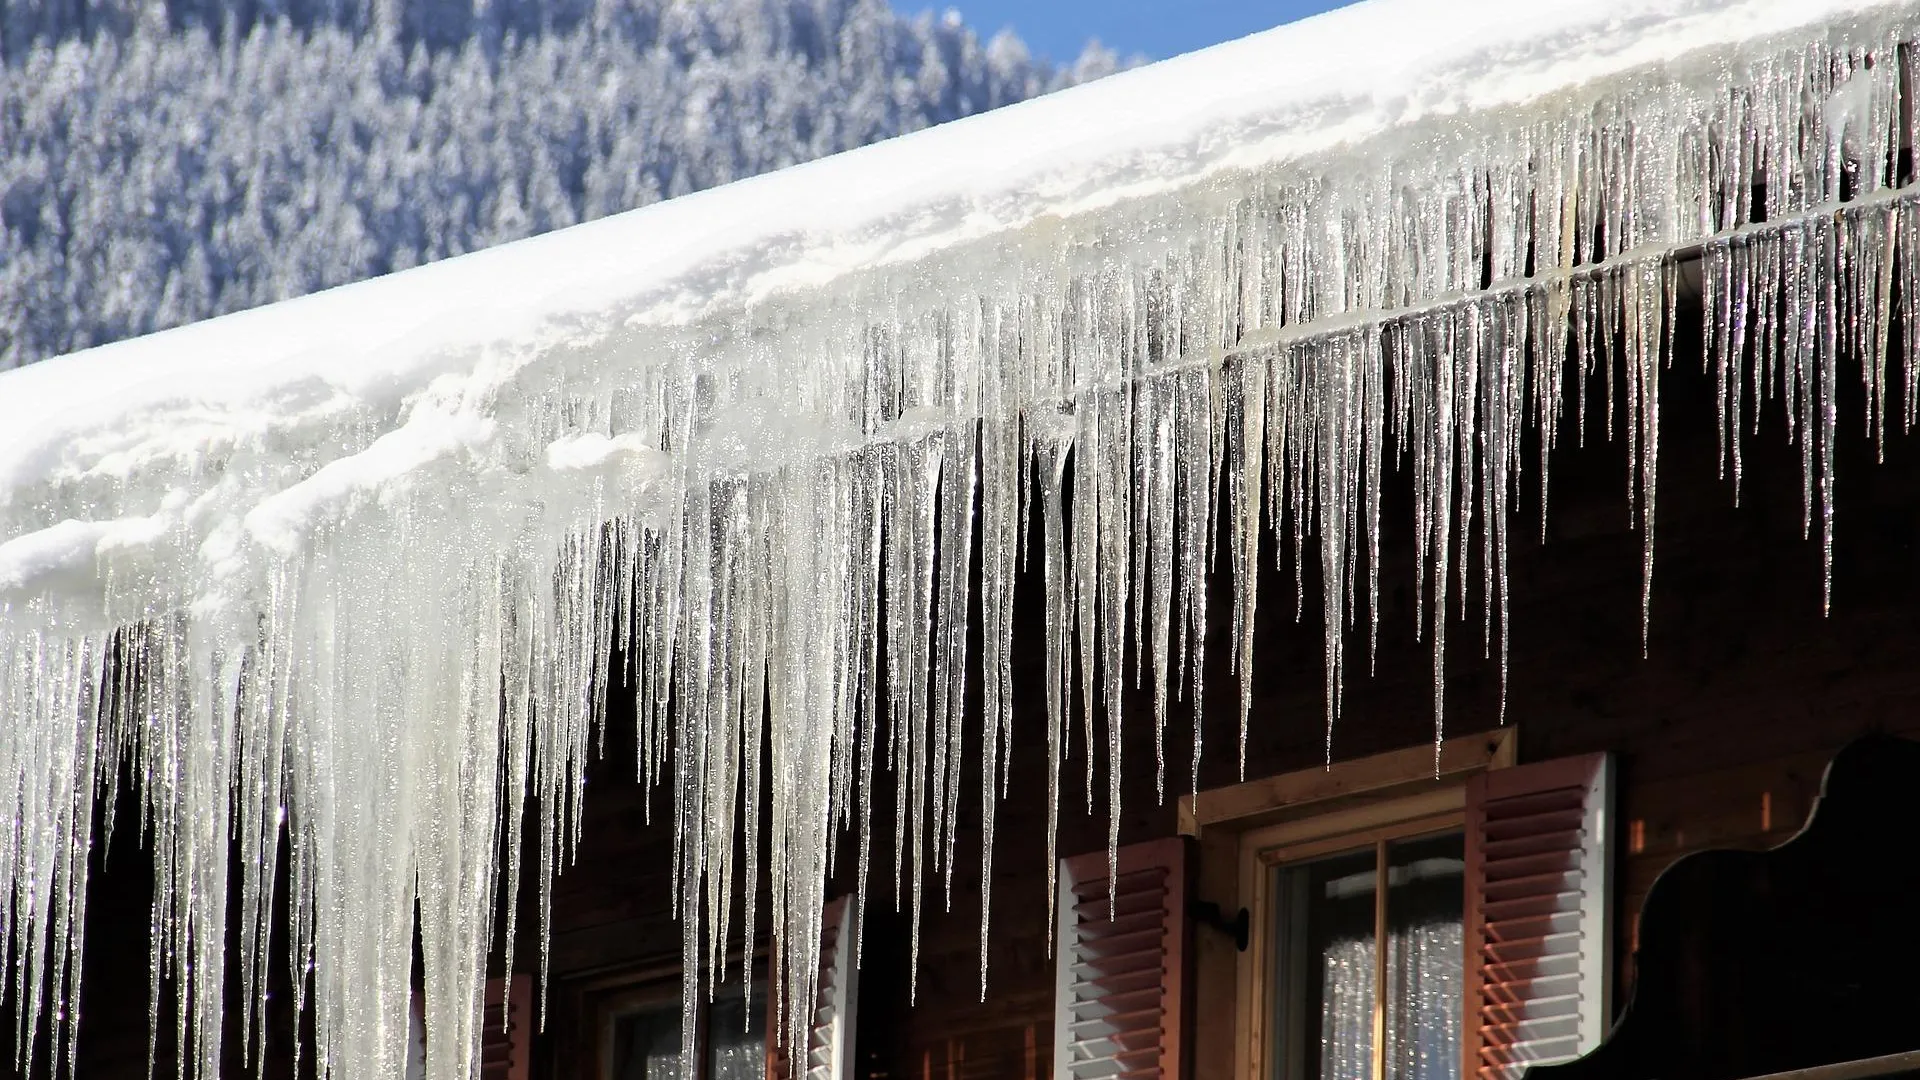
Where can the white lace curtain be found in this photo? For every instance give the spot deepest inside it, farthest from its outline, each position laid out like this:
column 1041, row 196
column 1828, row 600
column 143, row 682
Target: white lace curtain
column 1424, row 991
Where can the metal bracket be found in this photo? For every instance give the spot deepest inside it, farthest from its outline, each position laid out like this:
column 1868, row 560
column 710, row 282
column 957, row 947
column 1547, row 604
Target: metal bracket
column 1238, row 927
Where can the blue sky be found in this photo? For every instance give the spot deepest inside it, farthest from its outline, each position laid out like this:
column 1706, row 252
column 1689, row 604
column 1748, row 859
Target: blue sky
column 1157, row 28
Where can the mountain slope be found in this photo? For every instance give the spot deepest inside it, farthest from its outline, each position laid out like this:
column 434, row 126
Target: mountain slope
column 167, row 163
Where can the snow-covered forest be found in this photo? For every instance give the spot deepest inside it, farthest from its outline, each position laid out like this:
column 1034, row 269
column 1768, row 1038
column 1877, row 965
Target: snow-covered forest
column 163, row 162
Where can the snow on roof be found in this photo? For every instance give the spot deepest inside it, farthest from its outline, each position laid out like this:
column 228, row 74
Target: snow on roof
column 360, row 559
column 1384, row 70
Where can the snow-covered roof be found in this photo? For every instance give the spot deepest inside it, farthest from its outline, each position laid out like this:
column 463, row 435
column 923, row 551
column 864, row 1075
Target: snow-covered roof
column 1356, row 86
column 299, row 551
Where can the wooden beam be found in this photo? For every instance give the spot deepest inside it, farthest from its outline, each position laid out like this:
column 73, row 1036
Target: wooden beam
column 1426, row 814
column 1260, row 801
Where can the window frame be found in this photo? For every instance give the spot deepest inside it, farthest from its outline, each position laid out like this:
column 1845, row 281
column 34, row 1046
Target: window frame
column 1268, row 849
column 1248, row 829
column 604, row 1000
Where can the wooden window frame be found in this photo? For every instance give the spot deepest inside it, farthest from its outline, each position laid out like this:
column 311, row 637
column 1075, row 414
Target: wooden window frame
column 1248, row 829
column 1267, row 849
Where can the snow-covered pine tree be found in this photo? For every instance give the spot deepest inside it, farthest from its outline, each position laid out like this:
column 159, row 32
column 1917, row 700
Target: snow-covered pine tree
column 169, row 160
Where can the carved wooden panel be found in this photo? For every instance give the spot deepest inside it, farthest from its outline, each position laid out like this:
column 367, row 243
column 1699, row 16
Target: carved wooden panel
column 1758, row 962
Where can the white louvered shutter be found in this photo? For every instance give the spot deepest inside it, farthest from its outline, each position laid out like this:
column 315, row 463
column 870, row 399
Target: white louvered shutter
column 830, row 1049
column 1538, row 925
column 1120, row 998
column 506, row 1030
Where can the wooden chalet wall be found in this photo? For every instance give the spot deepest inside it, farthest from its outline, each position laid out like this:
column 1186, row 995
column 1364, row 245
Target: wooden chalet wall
column 1722, row 731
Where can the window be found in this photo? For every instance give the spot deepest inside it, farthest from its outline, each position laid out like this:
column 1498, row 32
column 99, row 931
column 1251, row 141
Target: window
column 1487, row 881
column 640, row 1034
column 1409, row 918
column 629, row 1023
column 1333, row 989
column 1330, row 863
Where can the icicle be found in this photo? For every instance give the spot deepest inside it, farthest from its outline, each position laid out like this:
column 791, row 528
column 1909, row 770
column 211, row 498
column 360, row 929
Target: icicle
column 1648, row 288
column 1195, row 451
column 1002, row 462
column 1049, row 459
column 1438, row 496
column 1160, row 396
column 1246, row 402
column 1908, row 258
column 957, row 485
column 912, row 580
column 1826, row 380
column 868, row 515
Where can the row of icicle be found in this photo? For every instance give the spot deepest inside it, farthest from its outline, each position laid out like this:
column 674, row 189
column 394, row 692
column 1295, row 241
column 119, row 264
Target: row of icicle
column 785, row 579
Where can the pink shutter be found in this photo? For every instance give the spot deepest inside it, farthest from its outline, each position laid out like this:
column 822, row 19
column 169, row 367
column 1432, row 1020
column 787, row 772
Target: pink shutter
column 1120, row 1000
column 506, row 1031
column 1537, row 914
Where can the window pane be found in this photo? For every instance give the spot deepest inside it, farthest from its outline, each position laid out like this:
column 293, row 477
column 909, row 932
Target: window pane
column 1323, row 997
column 737, row 1034
column 1425, row 903
column 646, row 1043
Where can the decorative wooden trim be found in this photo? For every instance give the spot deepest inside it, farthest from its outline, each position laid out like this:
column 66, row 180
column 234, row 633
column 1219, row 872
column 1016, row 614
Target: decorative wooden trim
column 1272, row 798
column 1795, row 960
column 1355, row 827
column 1890, row 1065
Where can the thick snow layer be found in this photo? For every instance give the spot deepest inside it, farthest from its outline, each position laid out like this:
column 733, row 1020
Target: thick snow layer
column 1372, row 71
column 358, row 563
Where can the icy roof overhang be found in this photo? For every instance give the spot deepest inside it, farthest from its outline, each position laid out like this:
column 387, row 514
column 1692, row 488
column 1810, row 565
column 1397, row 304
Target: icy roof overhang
column 1392, row 80
column 360, row 558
